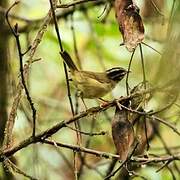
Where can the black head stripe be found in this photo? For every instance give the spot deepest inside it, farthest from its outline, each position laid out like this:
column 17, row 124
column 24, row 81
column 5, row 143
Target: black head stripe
column 115, row 69
column 116, row 73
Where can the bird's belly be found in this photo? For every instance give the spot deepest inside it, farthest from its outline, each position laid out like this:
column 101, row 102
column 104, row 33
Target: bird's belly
column 90, row 92
column 91, row 88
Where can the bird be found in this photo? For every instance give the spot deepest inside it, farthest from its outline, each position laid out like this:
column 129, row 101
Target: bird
column 93, row 85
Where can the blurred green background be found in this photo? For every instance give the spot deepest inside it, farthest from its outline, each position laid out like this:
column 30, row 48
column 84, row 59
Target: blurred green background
column 98, row 43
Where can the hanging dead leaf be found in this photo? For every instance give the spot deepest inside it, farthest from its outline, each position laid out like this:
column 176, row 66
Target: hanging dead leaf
column 130, row 23
column 122, row 132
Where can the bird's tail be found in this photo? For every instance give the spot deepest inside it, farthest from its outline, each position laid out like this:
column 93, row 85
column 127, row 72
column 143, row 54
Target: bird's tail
column 68, row 60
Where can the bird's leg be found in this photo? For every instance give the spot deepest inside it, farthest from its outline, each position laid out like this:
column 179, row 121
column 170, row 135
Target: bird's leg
column 80, row 94
column 103, row 102
column 84, row 103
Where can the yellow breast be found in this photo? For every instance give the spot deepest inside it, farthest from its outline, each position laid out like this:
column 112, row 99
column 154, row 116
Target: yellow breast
column 91, row 87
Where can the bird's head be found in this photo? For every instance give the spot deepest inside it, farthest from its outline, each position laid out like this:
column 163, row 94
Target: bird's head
column 116, row 73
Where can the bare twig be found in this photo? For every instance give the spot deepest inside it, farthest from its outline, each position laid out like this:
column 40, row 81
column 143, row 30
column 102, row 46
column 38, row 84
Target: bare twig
column 166, row 123
column 3, row 11
column 82, row 149
column 12, row 167
column 143, row 66
column 151, row 47
column 123, row 163
column 153, row 117
column 111, row 166
column 16, row 35
column 172, row 173
column 49, row 132
column 164, row 165
column 8, row 153
column 53, row 6
column 102, row 133
column 156, row 159
column 18, row 95
column 129, row 68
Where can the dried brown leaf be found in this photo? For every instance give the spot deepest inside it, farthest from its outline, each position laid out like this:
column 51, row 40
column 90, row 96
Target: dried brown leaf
column 122, row 132
column 130, row 23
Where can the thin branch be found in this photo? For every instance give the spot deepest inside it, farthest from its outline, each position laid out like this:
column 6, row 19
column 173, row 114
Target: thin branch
column 123, row 163
column 3, row 11
column 153, row 117
column 18, row 95
column 49, row 132
column 151, row 48
column 76, row 148
column 164, row 108
column 143, row 66
column 104, row 10
column 53, row 6
column 10, row 152
column 111, row 167
column 63, row 14
column 10, row 165
column 102, row 133
column 16, row 35
column 166, row 123
column 164, row 165
column 172, row 173
column 129, row 68
column 156, row 159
